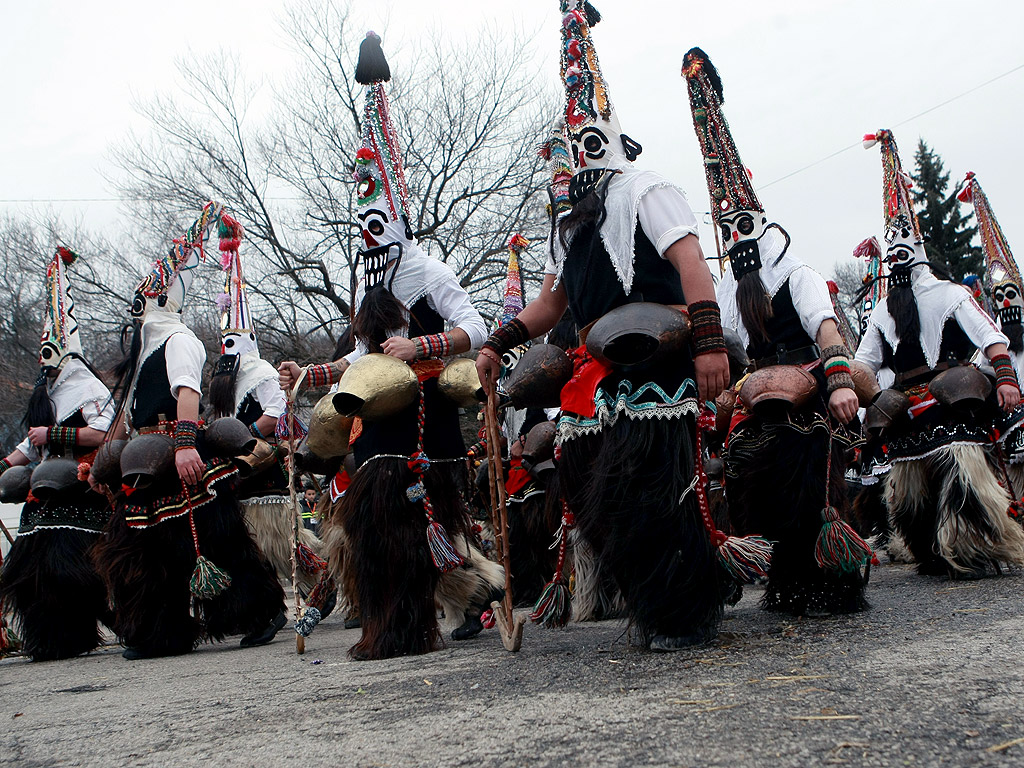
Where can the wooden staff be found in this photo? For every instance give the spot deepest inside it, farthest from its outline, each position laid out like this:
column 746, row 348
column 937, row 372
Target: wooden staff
column 510, row 626
column 300, row 641
column 10, row 539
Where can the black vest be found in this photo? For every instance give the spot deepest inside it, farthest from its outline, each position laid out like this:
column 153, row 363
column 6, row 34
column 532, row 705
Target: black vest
column 908, row 356
column 249, row 411
column 152, row 398
column 784, row 328
column 593, row 287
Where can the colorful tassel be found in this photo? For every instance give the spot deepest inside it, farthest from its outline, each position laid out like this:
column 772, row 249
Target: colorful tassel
column 745, row 559
column 554, row 606
column 208, row 581
column 306, row 625
column 839, row 548
column 322, row 591
column 441, row 549
column 308, row 560
column 487, row 618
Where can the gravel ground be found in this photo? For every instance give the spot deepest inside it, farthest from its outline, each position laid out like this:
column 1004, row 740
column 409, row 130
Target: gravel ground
column 931, row 675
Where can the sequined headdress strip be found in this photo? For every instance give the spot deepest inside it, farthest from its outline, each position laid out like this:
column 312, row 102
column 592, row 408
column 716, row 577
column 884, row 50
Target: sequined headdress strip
column 233, row 302
column 1000, row 266
column 728, row 180
column 897, row 203
column 513, row 303
column 60, row 336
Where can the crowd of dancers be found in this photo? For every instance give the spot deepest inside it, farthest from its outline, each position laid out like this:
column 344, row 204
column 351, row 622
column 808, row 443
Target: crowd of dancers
column 676, row 435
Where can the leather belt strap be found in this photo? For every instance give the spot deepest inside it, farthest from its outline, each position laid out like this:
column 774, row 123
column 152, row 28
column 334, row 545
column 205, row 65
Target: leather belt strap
column 915, row 373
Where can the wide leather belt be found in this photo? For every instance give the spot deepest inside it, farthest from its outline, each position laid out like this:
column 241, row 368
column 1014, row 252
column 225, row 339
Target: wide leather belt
column 921, row 374
column 800, row 356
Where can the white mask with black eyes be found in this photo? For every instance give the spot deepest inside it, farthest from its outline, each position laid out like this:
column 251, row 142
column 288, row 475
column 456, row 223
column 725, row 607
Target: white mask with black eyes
column 1007, row 301
column 596, row 149
column 238, row 342
column 904, row 248
column 741, row 230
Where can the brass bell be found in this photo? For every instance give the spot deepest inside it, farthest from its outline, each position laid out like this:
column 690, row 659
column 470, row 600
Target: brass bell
column 638, row 334
column 460, row 383
column 259, row 459
column 307, row 461
column 376, row 386
column 15, row 484
column 54, row 475
column 328, row 430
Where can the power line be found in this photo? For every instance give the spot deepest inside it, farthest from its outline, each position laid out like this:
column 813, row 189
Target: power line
column 894, row 125
column 34, row 200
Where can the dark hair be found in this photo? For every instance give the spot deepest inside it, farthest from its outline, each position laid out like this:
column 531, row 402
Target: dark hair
column 222, row 386
column 565, row 334
column 40, row 408
column 1015, row 333
column 902, row 306
column 380, row 314
column 755, row 305
column 346, row 343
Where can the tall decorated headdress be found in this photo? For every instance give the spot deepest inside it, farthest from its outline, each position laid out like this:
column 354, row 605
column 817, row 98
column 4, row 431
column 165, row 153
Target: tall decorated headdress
column 61, row 338
column 513, row 302
column 903, row 239
column 382, row 196
column 555, row 150
column 167, row 284
column 1002, row 278
column 734, row 204
column 870, row 250
column 596, row 140
column 237, row 331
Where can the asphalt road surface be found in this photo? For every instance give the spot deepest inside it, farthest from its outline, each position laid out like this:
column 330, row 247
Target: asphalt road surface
column 931, row 675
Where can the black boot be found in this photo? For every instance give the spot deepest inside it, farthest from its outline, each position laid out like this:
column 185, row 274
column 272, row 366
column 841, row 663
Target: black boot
column 265, row 635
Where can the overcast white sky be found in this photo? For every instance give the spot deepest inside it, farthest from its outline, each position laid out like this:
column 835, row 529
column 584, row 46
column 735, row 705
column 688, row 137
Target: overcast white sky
column 803, row 79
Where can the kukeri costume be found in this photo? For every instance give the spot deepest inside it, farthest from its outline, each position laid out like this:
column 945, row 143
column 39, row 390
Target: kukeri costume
column 410, row 456
column 1002, row 284
column 178, row 560
column 626, row 435
column 784, row 460
column 48, row 580
column 246, row 387
column 943, row 496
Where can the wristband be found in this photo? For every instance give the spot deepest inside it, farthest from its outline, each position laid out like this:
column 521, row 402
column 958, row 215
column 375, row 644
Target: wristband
column 835, row 361
column 836, row 350
column 1005, row 374
column 322, row 375
column 4, row 465
column 508, row 336
column 706, row 320
column 255, row 431
column 66, row 437
column 185, row 434
column 433, row 345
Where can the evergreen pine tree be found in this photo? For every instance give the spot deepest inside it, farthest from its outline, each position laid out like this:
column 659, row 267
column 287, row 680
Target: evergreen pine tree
column 946, row 230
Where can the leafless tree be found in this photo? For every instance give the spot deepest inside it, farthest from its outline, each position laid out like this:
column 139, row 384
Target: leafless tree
column 280, row 157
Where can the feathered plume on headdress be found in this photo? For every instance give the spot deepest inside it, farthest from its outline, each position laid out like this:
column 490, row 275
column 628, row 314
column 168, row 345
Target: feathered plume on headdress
column 60, row 337
column 171, row 276
column 1000, row 266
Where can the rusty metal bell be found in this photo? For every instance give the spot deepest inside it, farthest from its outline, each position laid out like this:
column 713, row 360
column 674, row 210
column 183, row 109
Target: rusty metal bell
column 376, row 386
column 145, row 458
column 54, row 475
column 540, row 443
column 228, row 437
column 785, row 386
column 889, row 406
column 15, row 484
column 460, row 383
column 963, row 386
column 329, row 431
column 865, row 384
column 725, row 405
column 638, row 334
column 538, row 378
column 106, row 468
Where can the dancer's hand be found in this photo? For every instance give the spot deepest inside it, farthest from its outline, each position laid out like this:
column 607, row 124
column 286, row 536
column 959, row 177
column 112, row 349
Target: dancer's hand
column 190, row 466
column 488, row 368
column 400, row 347
column 97, row 486
column 37, row 436
column 712, row 374
column 287, row 374
column 843, row 404
column 1008, row 395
